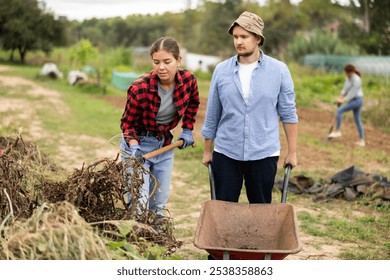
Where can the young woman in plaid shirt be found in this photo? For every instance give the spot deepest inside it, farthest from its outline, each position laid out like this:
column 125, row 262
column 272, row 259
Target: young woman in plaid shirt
column 156, row 103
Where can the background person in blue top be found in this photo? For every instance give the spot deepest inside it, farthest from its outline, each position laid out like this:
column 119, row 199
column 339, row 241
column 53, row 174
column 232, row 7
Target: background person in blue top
column 352, row 96
column 248, row 94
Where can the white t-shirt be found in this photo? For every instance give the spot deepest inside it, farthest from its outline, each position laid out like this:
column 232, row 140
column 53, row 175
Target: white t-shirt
column 245, row 73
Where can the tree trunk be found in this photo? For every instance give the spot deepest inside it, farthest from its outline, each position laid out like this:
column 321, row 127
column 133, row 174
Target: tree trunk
column 366, row 17
column 22, row 54
column 11, row 56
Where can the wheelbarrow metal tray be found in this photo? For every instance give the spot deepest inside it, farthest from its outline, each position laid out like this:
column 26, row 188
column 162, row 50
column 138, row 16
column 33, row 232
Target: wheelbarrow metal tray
column 247, row 231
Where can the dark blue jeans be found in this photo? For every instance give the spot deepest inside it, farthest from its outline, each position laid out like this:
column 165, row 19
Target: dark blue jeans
column 258, row 175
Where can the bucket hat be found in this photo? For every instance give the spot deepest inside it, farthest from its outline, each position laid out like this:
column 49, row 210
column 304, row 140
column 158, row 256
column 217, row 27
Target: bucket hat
column 251, row 23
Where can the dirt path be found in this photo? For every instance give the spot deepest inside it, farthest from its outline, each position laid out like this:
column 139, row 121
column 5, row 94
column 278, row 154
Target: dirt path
column 20, row 108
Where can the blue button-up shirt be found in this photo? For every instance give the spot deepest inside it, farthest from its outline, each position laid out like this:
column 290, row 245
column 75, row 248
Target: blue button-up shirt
column 249, row 131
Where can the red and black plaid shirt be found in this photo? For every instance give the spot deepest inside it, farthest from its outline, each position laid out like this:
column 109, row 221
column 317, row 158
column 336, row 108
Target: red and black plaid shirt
column 143, row 103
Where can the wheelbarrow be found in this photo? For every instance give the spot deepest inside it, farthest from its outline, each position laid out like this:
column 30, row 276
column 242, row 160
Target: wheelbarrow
column 229, row 230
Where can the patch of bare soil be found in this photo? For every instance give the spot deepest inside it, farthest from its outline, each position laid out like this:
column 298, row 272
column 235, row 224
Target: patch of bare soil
column 315, row 123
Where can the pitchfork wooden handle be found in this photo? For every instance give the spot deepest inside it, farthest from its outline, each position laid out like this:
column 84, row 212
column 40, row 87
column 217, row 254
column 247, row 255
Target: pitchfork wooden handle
column 165, row 149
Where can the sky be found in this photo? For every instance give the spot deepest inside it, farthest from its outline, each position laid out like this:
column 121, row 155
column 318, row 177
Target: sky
column 87, row 9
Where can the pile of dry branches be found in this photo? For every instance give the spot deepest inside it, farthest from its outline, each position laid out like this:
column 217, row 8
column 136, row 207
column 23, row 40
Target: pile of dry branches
column 28, row 180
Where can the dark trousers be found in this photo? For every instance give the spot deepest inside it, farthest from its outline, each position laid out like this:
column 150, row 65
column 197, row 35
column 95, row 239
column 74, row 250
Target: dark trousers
column 258, row 175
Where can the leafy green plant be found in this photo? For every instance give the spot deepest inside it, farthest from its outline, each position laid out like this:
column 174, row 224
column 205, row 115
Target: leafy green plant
column 82, row 53
column 318, row 42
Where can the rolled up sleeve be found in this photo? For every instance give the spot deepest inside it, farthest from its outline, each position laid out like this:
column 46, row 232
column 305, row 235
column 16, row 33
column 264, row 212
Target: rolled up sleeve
column 214, row 108
column 286, row 101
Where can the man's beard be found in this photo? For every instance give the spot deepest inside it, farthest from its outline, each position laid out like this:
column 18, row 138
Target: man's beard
column 246, row 53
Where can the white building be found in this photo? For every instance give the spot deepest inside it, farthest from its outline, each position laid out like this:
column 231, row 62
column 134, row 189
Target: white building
column 193, row 61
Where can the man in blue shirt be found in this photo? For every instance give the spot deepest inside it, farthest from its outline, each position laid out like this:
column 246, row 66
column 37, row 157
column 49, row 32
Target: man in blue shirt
column 248, row 95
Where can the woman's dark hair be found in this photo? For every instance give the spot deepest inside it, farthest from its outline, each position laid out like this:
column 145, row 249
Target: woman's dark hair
column 349, row 68
column 166, row 43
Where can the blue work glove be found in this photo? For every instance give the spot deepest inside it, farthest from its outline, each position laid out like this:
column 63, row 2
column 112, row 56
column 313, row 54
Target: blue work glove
column 186, row 135
column 135, row 151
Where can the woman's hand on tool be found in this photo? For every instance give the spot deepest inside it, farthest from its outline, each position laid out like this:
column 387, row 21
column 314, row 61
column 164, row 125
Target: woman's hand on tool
column 186, row 136
column 341, row 99
column 135, row 151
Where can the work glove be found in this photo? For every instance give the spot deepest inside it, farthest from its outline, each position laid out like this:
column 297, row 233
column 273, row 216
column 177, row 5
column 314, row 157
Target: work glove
column 186, row 136
column 135, row 151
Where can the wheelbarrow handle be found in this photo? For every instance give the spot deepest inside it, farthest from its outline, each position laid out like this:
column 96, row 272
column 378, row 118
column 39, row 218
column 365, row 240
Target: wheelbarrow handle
column 212, row 182
column 288, row 168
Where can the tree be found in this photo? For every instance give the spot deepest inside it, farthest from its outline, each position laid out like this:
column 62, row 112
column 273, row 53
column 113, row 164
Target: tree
column 375, row 14
column 25, row 27
column 281, row 23
column 320, row 13
column 369, row 26
column 216, row 19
